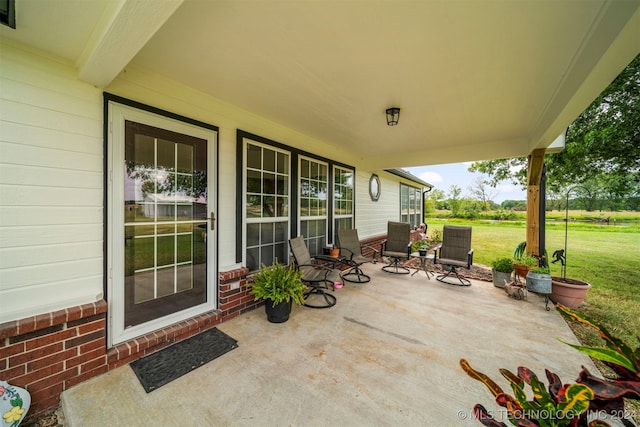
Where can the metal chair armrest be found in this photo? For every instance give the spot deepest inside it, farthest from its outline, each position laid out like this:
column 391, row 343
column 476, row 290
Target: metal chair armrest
column 350, row 252
column 372, row 248
column 318, row 267
column 375, row 252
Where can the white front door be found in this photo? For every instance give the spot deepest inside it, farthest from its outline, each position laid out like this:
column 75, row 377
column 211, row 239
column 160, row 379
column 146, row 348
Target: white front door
column 161, row 221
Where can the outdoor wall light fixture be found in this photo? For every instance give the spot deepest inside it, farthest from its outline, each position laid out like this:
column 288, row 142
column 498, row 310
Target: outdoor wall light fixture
column 393, row 115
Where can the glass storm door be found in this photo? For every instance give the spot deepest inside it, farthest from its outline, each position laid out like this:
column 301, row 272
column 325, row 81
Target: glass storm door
column 162, row 237
column 165, row 228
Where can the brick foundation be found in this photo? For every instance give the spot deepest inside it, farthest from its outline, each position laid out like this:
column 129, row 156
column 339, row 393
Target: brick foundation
column 374, row 242
column 49, row 353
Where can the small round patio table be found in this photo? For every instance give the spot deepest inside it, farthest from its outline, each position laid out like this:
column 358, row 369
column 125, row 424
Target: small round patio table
column 424, row 266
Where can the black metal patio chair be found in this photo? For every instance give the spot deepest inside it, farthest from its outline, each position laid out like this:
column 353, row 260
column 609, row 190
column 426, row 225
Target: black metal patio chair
column 351, row 250
column 318, row 277
column 397, row 246
column 454, row 253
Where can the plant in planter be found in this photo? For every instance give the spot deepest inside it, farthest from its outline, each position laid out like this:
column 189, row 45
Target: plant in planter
column 420, row 246
column 279, row 287
column 501, row 271
column 539, row 280
column 566, row 291
column 523, row 264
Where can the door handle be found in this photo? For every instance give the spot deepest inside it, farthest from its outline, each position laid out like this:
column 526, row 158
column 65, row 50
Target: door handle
column 213, row 220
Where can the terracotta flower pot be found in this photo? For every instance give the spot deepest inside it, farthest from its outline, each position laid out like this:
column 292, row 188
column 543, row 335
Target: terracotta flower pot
column 521, row 270
column 334, row 252
column 568, row 292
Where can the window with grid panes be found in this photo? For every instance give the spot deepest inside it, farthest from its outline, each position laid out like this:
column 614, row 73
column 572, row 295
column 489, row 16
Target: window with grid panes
column 313, row 187
column 410, row 209
column 342, row 199
column 266, row 206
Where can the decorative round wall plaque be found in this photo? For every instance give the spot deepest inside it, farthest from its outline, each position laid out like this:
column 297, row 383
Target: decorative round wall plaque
column 374, row 187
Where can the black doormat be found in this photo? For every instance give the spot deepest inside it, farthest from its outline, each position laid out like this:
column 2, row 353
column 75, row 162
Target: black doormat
column 172, row 362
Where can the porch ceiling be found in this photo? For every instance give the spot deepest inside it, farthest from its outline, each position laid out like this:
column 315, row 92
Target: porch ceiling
column 474, row 79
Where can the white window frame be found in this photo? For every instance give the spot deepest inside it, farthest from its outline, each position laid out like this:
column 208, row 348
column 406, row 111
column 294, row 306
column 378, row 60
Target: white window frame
column 351, row 215
column 280, row 219
column 414, row 211
column 324, row 217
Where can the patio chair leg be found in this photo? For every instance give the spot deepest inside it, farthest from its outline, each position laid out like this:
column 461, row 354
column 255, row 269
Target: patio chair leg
column 396, row 268
column 451, row 272
column 329, row 300
column 360, row 277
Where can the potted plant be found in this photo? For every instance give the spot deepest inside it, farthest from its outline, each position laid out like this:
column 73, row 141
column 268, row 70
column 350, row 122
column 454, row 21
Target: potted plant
column 522, row 262
column 568, row 292
column 420, row 246
column 501, row 271
column 539, row 280
column 279, row 287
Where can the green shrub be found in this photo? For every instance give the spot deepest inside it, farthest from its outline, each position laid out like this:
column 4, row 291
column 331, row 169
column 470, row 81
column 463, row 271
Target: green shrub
column 504, row 265
column 541, row 270
column 278, row 283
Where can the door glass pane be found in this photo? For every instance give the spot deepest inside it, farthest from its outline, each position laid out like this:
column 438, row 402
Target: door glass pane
column 165, row 238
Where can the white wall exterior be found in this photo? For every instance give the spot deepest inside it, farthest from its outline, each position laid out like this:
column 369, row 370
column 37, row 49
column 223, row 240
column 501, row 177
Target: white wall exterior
column 51, row 176
column 51, row 186
column 372, row 217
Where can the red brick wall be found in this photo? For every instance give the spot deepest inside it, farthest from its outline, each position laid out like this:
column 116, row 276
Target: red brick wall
column 48, row 353
column 375, row 242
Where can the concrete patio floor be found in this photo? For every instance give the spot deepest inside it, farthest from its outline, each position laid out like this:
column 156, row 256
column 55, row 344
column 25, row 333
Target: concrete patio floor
column 386, row 355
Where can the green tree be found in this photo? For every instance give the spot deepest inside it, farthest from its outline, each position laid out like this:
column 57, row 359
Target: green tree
column 602, row 146
column 431, row 201
column 454, row 200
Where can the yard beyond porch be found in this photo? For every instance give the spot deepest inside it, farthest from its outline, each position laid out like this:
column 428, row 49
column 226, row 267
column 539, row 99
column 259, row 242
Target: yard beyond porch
column 387, row 354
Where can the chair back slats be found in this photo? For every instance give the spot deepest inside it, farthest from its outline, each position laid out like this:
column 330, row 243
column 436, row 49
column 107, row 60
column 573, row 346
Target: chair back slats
column 397, row 236
column 348, row 239
column 300, row 252
column 456, row 242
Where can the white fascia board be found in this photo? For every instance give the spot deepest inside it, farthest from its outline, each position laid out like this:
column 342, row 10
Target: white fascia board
column 124, row 29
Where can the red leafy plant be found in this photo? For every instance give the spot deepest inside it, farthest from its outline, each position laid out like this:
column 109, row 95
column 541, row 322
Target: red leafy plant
column 569, row 404
column 623, row 360
column 555, row 406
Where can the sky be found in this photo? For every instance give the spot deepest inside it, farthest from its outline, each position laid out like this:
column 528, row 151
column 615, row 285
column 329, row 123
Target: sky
column 444, row 176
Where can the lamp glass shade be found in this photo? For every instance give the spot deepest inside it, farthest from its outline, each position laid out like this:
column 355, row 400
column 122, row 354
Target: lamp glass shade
column 393, row 115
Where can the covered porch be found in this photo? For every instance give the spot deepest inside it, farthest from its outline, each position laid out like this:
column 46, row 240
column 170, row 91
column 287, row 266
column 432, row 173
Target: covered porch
column 387, row 354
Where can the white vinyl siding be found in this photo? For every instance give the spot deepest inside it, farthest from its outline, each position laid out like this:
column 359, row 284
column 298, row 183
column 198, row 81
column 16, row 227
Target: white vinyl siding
column 372, row 217
column 51, row 187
